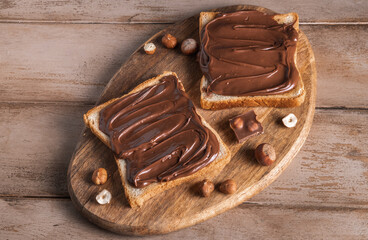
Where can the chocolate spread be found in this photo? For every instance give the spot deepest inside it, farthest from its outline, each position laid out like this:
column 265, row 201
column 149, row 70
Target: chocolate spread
column 247, row 53
column 159, row 134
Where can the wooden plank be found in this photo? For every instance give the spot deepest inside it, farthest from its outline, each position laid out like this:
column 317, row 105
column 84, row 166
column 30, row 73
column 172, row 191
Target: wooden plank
column 169, row 11
column 58, row 219
column 342, row 65
column 58, row 62
column 332, row 167
column 37, row 140
column 73, row 62
column 36, row 144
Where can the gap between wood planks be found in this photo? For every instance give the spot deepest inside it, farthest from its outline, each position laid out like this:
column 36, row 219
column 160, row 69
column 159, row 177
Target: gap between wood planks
column 158, row 23
column 243, row 205
column 91, row 105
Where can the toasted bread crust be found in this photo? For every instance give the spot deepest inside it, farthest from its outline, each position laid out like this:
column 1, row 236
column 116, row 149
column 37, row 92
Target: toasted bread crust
column 251, row 101
column 292, row 98
column 137, row 196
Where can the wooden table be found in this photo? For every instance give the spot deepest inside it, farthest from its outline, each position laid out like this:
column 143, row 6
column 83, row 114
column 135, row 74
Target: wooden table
column 55, row 59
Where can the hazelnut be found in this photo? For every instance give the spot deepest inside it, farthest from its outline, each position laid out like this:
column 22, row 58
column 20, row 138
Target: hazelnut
column 103, row 197
column 290, row 120
column 206, row 187
column 238, row 122
column 265, row 154
column 189, row 46
column 228, row 187
column 252, row 126
column 99, row 176
column 149, row 48
column 169, row 41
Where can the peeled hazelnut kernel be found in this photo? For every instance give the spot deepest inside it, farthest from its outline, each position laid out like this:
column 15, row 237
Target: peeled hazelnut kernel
column 103, row 197
column 265, row 154
column 238, row 123
column 206, row 187
column 252, row 126
column 149, row 48
column 99, row 176
column 169, row 41
column 228, row 187
column 189, row 46
column 290, row 120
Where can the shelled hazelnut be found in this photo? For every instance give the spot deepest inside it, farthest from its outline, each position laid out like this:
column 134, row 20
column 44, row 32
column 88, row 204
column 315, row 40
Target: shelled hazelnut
column 206, row 187
column 228, row 186
column 189, row 46
column 104, row 197
column 265, row 154
column 149, row 48
column 99, row 176
column 290, row 121
column 169, row 40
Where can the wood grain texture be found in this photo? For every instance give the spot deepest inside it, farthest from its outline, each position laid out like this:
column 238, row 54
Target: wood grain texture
column 57, row 219
column 341, row 57
column 335, row 148
column 332, row 168
column 56, row 63
column 180, row 207
column 169, row 11
column 52, row 62
column 36, row 142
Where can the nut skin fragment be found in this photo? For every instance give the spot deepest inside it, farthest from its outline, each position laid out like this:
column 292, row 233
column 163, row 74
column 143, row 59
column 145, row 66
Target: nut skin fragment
column 189, row 46
column 265, row 154
column 99, row 176
column 290, row 120
column 169, row 41
column 149, row 48
column 206, row 187
column 228, row 187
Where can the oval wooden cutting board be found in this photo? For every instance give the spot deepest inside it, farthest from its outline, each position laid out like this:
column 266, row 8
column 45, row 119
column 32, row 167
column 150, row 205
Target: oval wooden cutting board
column 180, row 207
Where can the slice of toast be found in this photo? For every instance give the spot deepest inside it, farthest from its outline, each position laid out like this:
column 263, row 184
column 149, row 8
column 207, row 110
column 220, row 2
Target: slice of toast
column 292, row 98
column 137, row 196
